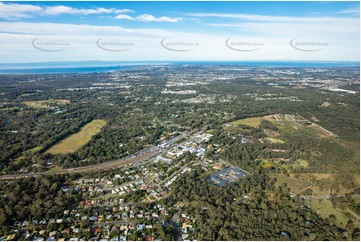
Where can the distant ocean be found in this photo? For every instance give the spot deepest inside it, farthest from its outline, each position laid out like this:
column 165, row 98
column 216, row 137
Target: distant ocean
column 60, row 70
column 101, row 66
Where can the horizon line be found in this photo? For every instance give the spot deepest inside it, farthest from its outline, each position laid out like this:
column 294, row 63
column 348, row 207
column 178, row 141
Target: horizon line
column 141, row 61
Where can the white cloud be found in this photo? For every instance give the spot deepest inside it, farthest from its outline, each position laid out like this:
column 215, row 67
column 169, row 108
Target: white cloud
column 18, row 11
column 61, row 9
column 151, row 18
column 330, row 30
column 57, row 10
column 15, row 45
column 124, row 11
column 350, row 10
column 269, row 18
column 124, row 16
column 76, row 29
column 15, row 11
column 103, row 10
column 312, row 28
column 10, row 11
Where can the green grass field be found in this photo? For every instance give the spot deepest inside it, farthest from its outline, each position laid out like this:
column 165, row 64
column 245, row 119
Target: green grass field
column 266, row 164
column 303, row 163
column 253, row 122
column 275, row 140
column 77, row 140
column 44, row 103
column 296, row 185
column 298, row 164
column 324, row 208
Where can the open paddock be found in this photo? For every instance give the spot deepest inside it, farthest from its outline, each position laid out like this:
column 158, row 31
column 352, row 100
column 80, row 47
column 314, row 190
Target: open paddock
column 296, row 185
column 253, row 122
column 77, row 140
column 275, row 140
column 45, row 103
column 324, row 208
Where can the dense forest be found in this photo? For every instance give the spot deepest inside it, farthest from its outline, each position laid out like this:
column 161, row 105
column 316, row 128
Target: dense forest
column 34, row 198
column 252, row 209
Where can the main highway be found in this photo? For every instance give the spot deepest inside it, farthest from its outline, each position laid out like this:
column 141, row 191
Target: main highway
column 137, row 158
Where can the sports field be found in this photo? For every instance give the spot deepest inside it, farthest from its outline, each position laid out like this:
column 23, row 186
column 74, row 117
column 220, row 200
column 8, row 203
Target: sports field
column 77, row 140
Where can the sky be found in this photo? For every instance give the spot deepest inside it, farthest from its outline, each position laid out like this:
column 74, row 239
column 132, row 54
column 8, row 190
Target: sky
column 179, row 31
